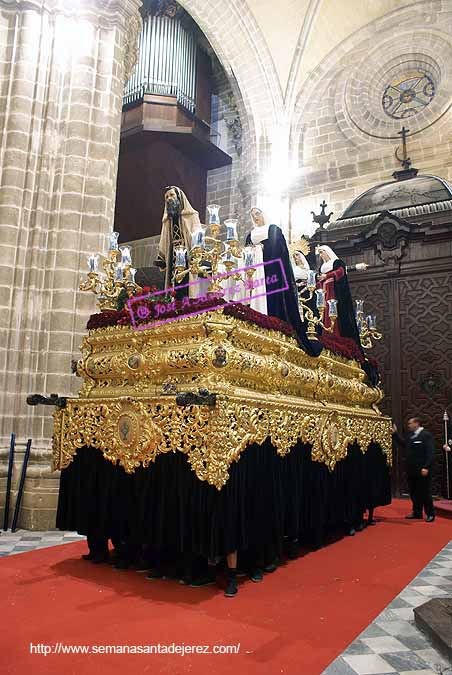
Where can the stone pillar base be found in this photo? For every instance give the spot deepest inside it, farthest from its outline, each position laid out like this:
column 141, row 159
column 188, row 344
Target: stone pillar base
column 40, row 498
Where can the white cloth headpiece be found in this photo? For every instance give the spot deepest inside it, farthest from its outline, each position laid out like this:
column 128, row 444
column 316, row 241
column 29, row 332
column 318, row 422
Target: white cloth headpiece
column 304, row 262
column 327, row 266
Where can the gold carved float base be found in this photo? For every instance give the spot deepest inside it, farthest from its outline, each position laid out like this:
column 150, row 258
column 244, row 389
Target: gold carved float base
column 266, row 387
column 133, row 432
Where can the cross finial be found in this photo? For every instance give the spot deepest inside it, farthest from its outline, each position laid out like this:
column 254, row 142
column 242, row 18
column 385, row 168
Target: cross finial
column 322, row 218
column 404, row 160
column 407, row 171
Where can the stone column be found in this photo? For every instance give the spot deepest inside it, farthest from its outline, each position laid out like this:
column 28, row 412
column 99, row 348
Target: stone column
column 62, row 69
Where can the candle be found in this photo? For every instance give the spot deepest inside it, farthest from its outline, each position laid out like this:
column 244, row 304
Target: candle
column 93, row 261
column 126, row 256
column 231, row 229
column 332, row 308
column 320, row 302
column 181, row 256
column 113, row 241
column 369, row 320
column 132, row 272
column 119, row 273
column 213, row 211
column 248, row 256
column 360, row 306
column 197, row 238
column 311, row 279
column 373, row 322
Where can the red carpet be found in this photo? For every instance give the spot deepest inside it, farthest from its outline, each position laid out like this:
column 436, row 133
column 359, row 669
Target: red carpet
column 297, row 621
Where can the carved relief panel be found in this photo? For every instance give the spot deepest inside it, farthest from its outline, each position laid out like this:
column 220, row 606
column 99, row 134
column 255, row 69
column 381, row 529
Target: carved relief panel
column 426, row 356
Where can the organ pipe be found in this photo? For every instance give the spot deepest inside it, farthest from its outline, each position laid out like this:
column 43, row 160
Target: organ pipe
column 166, row 63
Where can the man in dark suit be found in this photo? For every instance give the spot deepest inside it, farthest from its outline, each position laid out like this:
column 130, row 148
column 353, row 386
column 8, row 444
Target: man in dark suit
column 420, row 453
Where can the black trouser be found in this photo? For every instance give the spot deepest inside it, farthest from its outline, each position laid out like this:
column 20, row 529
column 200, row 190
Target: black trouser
column 420, row 488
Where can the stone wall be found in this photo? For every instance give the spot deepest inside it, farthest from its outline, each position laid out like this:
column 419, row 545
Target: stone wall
column 223, row 183
column 60, row 106
column 344, row 139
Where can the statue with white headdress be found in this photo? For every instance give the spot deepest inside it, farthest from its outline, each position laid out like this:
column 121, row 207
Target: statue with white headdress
column 333, row 281
column 270, row 247
column 298, row 250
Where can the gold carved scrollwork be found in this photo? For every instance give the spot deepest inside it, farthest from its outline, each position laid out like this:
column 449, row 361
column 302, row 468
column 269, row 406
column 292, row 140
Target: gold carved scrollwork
column 220, row 350
column 134, row 432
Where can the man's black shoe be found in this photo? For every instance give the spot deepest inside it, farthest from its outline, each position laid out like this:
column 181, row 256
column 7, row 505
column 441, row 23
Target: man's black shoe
column 88, row 556
column 99, row 558
column 413, row 516
column 430, row 519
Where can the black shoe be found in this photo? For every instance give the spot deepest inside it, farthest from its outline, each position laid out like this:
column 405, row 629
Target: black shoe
column 206, row 580
column 88, row 556
column 371, row 522
column 99, row 558
column 430, row 519
column 256, row 576
column 351, row 532
column 272, row 567
column 360, row 527
column 231, row 588
column 413, row 516
column 155, row 574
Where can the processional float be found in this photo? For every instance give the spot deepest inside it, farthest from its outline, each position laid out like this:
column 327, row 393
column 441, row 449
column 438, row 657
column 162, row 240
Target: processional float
column 214, row 381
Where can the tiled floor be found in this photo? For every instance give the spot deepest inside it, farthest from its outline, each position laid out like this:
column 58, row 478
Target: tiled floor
column 24, row 540
column 390, row 645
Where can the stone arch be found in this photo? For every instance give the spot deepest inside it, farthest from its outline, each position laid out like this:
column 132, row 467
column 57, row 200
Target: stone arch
column 376, row 39
column 339, row 132
column 242, row 50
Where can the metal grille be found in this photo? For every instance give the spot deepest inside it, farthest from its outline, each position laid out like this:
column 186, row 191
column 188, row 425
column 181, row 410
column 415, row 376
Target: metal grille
column 166, row 63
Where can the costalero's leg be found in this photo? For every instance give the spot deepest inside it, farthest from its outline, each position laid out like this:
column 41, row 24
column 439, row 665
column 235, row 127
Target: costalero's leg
column 231, row 588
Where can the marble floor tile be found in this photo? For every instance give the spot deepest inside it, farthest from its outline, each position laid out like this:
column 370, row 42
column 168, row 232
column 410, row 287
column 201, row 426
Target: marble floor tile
column 369, row 664
column 382, row 645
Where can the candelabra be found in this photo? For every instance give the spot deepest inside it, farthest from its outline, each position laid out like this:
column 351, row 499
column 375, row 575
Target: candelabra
column 367, row 326
column 213, row 258
column 119, row 275
column 307, row 313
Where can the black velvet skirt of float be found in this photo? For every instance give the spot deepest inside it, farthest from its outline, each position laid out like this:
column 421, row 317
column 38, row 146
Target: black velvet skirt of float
column 267, row 499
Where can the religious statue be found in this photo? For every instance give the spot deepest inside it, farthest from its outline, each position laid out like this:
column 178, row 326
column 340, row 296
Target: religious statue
column 300, row 266
column 270, row 245
column 334, row 282
column 299, row 250
column 179, row 221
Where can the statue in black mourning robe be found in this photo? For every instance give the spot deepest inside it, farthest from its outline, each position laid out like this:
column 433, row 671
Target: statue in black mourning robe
column 334, row 282
column 270, row 245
